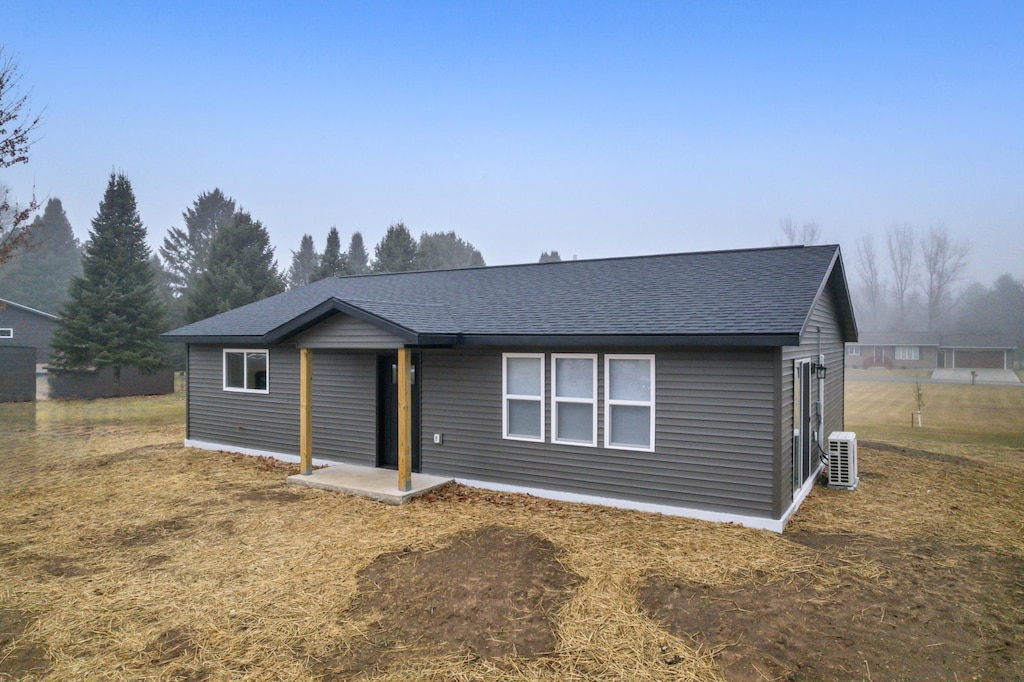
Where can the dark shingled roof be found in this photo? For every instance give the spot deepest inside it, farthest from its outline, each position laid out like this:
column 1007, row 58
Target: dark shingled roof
column 745, row 297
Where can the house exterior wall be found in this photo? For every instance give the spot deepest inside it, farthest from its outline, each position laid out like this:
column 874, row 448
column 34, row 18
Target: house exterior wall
column 345, row 407
column 963, row 358
column 344, row 331
column 832, row 346
column 885, row 356
column 714, row 433
column 29, row 329
column 258, row 421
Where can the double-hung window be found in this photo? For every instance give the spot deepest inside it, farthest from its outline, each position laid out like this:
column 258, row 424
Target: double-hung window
column 853, row 350
column 629, row 402
column 908, row 353
column 247, row 371
column 574, row 399
column 523, row 396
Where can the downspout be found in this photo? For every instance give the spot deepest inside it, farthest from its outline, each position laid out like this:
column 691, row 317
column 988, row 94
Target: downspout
column 821, row 390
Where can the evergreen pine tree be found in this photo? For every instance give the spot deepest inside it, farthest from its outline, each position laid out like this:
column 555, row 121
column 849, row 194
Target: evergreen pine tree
column 357, row 260
column 240, row 269
column 445, row 251
column 552, row 257
column 333, row 262
column 396, row 250
column 40, row 276
column 112, row 317
column 305, row 264
column 184, row 251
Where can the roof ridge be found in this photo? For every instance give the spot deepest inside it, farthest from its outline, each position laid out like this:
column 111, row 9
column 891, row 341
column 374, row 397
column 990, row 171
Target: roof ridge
column 603, row 259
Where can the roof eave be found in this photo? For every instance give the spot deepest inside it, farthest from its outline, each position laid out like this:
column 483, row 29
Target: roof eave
column 634, row 340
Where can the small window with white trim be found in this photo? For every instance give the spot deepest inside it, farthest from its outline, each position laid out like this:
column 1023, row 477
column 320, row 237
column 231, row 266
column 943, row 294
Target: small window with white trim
column 908, row 353
column 853, row 350
column 629, row 394
column 574, row 399
column 523, row 396
column 247, row 371
column 6, row 333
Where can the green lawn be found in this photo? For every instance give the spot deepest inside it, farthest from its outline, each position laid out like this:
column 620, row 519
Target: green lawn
column 984, row 420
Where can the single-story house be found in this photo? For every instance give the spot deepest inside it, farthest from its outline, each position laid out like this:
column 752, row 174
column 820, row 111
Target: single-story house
column 930, row 350
column 691, row 384
column 27, row 327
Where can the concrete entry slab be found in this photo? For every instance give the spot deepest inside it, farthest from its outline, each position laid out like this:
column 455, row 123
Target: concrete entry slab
column 372, row 482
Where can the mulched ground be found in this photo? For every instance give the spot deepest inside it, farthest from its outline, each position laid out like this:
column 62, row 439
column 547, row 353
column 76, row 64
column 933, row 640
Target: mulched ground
column 125, row 556
column 942, row 612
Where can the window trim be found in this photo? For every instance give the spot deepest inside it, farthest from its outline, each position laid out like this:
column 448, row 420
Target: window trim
column 245, row 370
column 914, row 352
column 6, row 332
column 506, row 396
column 609, row 402
column 853, row 350
column 556, row 400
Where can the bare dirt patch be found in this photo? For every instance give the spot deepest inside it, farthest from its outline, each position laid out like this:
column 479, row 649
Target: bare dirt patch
column 151, row 533
column 491, row 594
column 19, row 655
column 939, row 612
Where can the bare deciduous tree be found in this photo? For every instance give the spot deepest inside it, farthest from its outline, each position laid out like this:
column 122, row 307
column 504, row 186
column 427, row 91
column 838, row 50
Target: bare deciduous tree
column 807, row 234
column 944, row 262
column 871, row 275
column 17, row 124
column 900, row 241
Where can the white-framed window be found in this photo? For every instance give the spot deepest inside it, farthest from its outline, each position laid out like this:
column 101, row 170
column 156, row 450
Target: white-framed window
column 522, row 415
column 908, row 353
column 6, row 333
column 246, row 370
column 574, row 398
column 629, row 403
column 853, row 350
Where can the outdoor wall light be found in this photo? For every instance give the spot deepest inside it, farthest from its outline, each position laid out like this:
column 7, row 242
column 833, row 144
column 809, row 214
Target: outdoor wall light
column 819, row 370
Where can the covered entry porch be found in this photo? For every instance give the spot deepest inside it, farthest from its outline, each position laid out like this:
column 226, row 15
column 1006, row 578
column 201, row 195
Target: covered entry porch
column 398, row 418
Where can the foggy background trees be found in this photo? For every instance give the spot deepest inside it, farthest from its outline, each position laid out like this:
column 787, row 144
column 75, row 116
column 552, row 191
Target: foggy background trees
column 40, row 274
column 915, row 283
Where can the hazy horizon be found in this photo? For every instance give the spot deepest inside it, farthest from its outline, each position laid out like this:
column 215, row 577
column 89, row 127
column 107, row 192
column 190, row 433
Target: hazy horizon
column 595, row 130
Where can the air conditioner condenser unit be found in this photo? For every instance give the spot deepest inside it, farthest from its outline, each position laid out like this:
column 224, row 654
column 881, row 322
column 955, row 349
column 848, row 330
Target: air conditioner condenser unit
column 842, row 460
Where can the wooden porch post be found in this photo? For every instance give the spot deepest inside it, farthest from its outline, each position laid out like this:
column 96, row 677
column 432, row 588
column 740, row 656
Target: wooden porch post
column 404, row 419
column 306, row 411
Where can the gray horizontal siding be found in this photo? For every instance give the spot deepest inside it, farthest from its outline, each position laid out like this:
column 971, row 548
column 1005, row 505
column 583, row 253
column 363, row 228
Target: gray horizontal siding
column 250, row 420
column 346, row 332
column 831, row 343
column 30, row 329
column 714, row 433
column 344, row 407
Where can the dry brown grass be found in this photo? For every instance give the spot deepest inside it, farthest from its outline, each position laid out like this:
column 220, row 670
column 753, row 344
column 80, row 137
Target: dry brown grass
column 138, row 559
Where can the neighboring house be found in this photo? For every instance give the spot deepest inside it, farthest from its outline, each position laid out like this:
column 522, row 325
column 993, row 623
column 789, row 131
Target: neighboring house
column 929, row 350
column 682, row 383
column 24, row 326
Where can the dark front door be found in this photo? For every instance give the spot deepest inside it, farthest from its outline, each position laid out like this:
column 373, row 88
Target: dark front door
column 387, row 411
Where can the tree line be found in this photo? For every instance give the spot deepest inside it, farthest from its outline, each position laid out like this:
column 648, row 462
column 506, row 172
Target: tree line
column 115, row 296
column 914, row 281
column 397, row 251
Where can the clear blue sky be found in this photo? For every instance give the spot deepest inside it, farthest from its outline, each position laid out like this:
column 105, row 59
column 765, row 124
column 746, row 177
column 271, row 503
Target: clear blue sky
column 596, row 129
